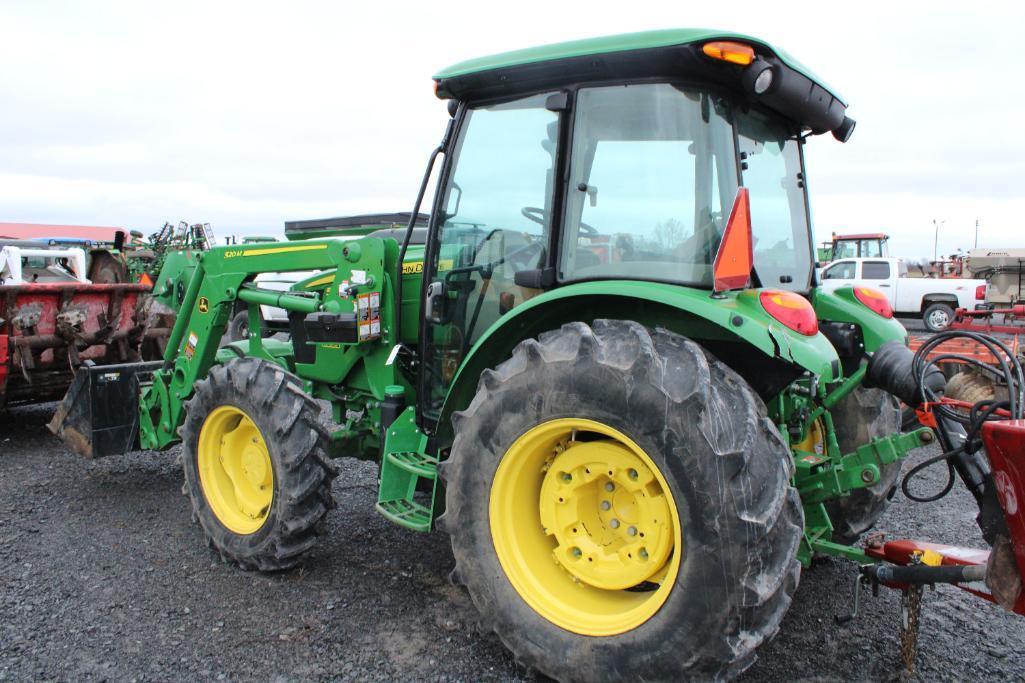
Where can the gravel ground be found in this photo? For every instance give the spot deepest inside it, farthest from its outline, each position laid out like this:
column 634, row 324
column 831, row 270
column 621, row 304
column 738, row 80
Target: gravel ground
column 104, row 577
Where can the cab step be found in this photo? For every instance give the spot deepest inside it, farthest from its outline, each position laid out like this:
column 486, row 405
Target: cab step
column 406, row 513
column 420, row 464
column 409, row 476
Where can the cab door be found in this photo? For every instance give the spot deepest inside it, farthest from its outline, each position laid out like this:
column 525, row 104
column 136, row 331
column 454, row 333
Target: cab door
column 493, row 218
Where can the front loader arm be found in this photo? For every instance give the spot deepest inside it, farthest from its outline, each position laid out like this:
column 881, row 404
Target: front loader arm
column 220, row 278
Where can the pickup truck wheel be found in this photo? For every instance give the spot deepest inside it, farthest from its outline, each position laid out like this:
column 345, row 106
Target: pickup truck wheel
column 254, row 463
column 937, row 317
column 620, row 507
column 865, row 415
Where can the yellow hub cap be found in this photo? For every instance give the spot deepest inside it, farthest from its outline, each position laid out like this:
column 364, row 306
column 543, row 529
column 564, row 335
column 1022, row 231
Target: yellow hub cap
column 585, row 527
column 235, row 470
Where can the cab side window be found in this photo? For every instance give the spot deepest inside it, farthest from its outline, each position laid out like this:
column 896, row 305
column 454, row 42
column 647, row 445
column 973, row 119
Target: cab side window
column 875, row 270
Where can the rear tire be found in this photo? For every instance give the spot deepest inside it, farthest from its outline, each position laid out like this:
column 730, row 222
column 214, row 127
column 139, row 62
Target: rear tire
column 718, row 460
column 106, row 270
column 865, row 415
column 937, row 317
column 258, row 478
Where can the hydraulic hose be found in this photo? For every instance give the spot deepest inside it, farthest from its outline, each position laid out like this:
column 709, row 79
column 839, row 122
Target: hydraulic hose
column 915, row 379
column 920, row 574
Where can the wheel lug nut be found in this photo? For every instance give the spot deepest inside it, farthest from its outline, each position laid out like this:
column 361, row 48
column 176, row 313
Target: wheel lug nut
column 614, row 523
column 566, row 476
column 643, row 554
column 610, row 487
column 605, row 505
column 632, row 473
column 631, row 531
column 576, row 552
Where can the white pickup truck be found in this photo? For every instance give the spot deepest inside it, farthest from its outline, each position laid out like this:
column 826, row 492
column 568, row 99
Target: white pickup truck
column 934, row 299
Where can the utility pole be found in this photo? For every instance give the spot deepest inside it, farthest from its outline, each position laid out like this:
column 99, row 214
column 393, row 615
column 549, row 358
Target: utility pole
column 936, row 240
column 976, row 233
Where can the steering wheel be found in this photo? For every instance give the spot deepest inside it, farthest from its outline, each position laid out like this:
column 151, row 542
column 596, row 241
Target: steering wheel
column 536, row 215
column 522, row 258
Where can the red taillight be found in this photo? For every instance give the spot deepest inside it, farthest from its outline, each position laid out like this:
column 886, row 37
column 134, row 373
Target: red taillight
column 980, row 293
column 874, row 300
column 793, row 310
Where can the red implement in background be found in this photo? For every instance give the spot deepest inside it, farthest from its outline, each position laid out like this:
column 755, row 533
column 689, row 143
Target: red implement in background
column 1004, row 441
column 963, row 347
column 1011, row 320
column 48, row 330
column 1005, row 445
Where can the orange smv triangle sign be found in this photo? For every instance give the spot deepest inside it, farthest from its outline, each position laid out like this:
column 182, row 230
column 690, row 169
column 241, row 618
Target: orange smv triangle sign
column 733, row 262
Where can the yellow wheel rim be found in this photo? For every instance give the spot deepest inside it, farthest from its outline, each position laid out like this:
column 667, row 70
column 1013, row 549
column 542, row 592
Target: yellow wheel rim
column 235, row 470
column 585, row 527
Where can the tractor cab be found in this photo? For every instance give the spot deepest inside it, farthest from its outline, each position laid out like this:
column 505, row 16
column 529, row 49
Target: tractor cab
column 615, row 159
column 862, row 245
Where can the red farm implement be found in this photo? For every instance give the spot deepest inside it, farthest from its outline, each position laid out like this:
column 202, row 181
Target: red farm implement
column 50, row 329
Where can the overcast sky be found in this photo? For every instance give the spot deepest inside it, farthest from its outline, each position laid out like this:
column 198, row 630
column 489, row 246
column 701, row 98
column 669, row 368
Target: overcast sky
column 249, row 114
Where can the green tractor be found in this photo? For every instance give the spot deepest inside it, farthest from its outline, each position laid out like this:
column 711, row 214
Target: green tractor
column 605, row 370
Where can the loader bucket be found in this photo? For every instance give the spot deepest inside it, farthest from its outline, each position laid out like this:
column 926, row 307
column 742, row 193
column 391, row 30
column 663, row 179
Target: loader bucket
column 100, row 413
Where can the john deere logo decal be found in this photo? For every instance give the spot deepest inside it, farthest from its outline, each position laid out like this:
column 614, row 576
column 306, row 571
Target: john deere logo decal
column 204, row 304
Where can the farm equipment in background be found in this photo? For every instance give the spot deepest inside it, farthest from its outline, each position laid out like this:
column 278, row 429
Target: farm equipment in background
column 182, row 240
column 1004, row 272
column 54, row 320
column 862, row 245
column 636, row 431
column 109, row 251
column 74, row 296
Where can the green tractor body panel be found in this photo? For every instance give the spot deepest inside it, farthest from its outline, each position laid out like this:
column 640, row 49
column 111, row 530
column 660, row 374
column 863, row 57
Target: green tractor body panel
column 841, row 305
column 412, row 277
column 731, row 317
column 173, row 278
column 644, row 40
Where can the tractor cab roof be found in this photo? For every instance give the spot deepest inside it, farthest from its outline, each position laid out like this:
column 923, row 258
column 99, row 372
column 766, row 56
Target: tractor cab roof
column 673, row 54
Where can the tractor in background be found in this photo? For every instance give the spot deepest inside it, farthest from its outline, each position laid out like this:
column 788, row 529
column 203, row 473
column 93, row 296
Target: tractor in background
column 607, row 373
column 861, row 245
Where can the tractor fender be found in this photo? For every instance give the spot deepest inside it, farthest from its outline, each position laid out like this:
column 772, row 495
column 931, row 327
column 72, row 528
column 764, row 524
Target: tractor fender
column 732, row 318
column 841, row 305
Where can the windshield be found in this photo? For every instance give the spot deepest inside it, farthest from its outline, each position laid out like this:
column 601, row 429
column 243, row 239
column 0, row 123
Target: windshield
column 653, row 174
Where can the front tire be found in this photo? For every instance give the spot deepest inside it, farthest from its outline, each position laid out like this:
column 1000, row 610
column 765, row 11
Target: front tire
column 669, row 429
column 254, row 464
